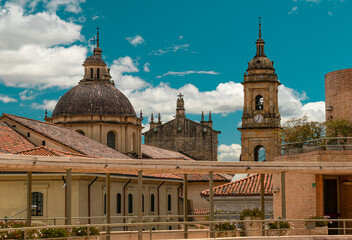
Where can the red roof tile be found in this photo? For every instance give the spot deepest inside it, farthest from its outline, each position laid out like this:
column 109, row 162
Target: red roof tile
column 200, row 211
column 46, row 151
column 11, row 141
column 160, row 153
column 248, row 186
column 68, row 138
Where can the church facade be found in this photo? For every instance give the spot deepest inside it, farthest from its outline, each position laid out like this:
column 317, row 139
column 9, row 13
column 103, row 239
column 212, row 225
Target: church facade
column 194, row 139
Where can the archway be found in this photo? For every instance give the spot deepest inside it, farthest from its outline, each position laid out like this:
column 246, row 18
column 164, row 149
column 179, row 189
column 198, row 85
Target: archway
column 259, row 154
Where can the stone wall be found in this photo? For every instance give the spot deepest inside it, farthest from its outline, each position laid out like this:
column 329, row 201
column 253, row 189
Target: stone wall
column 196, row 140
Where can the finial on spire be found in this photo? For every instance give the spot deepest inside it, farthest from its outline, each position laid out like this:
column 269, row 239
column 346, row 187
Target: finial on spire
column 159, row 119
column 202, row 116
column 141, row 114
column 209, row 116
column 152, row 118
column 97, row 36
column 260, row 27
column 46, row 113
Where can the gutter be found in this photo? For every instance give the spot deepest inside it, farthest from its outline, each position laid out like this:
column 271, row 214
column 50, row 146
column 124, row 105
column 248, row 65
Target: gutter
column 90, row 184
column 124, row 203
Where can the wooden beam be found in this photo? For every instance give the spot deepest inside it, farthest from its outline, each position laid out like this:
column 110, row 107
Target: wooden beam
column 108, row 205
column 185, row 205
column 211, row 204
column 139, row 201
column 29, row 199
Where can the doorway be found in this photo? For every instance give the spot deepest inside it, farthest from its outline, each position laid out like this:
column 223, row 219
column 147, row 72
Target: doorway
column 331, row 201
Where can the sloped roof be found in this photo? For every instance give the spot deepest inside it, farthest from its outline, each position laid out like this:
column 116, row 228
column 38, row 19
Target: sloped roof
column 46, row 151
column 11, row 141
column 248, row 186
column 68, row 138
column 160, row 153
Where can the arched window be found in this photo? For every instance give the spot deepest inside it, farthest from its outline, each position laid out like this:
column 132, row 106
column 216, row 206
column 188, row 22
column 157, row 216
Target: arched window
column 259, row 100
column 259, row 153
column 142, row 202
column 170, row 227
column 80, row 132
column 104, row 203
column 130, row 203
column 37, row 204
column 111, row 139
column 152, row 203
column 98, row 73
column 169, row 202
column 91, row 73
column 118, row 203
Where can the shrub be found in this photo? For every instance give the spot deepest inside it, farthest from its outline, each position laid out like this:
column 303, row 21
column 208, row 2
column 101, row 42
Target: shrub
column 15, row 234
column 252, row 213
column 54, row 233
column 320, row 223
column 82, row 231
column 225, row 228
column 279, row 225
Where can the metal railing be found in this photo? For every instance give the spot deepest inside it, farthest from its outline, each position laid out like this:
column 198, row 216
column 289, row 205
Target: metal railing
column 202, row 229
column 321, row 144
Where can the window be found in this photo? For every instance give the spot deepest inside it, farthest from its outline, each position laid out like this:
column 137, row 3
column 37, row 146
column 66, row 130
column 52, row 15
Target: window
column 104, row 203
column 170, row 227
column 28, row 134
column 169, row 202
column 118, row 203
column 80, row 132
column 142, row 202
column 152, row 203
column 259, row 100
column 98, row 77
column 259, row 153
column 91, row 73
column 43, row 143
column 37, row 204
column 111, row 139
column 130, row 203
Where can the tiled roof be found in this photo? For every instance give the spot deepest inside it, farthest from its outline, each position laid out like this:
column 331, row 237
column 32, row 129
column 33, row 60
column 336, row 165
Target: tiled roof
column 68, row 138
column 46, row 151
column 160, row 153
column 205, row 177
column 11, row 141
column 200, row 211
column 248, row 186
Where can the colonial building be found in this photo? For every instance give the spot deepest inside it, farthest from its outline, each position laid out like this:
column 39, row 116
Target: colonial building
column 261, row 117
column 197, row 140
column 97, row 109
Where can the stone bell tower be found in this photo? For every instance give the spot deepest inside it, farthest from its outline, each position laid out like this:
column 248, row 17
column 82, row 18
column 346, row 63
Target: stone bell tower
column 261, row 117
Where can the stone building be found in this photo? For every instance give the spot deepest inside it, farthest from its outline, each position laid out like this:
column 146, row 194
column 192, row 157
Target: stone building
column 98, row 110
column 197, row 140
column 261, row 117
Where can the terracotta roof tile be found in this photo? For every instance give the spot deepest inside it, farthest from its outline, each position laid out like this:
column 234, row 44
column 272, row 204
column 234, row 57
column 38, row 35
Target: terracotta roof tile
column 11, row 141
column 46, row 151
column 200, row 211
column 156, row 153
column 248, row 186
column 68, row 138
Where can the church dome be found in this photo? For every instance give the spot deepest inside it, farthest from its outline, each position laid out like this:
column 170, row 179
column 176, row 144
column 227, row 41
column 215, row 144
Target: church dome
column 260, row 62
column 94, row 98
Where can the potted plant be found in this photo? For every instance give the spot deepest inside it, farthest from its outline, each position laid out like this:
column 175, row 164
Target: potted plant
column 318, row 227
column 252, row 228
column 278, row 228
column 226, row 229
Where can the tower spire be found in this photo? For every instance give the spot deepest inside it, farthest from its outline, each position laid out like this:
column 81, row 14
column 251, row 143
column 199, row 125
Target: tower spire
column 97, row 36
column 260, row 27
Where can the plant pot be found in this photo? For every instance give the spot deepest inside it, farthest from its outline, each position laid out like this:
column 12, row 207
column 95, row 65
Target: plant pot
column 319, row 231
column 252, row 228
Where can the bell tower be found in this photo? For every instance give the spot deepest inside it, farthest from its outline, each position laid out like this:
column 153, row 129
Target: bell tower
column 261, row 117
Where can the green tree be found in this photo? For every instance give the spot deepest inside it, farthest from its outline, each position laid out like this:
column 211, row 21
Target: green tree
column 300, row 129
column 339, row 128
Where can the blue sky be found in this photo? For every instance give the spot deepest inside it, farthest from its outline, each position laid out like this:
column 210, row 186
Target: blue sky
column 157, row 49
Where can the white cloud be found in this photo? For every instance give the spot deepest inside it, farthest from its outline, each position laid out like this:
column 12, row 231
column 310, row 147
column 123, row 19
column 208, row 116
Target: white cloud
column 7, row 99
column 180, row 37
column 229, row 152
column 136, row 40
column 46, row 104
column 187, row 73
column 53, row 5
column 27, row 95
column 330, row 13
column 146, row 67
column 95, row 18
column 173, row 48
column 34, row 48
column 294, row 9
